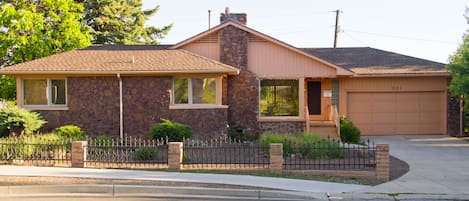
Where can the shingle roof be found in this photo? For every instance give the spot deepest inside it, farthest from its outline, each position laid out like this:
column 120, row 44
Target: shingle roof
column 123, row 59
column 366, row 60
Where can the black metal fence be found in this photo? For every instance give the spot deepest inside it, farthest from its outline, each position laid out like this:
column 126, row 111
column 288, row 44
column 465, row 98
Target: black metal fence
column 128, row 152
column 35, row 150
column 224, row 153
column 330, row 155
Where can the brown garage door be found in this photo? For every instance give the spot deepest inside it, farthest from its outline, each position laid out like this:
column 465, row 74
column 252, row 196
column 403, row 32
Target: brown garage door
column 397, row 112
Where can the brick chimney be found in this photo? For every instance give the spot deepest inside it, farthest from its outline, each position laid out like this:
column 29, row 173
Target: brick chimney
column 239, row 17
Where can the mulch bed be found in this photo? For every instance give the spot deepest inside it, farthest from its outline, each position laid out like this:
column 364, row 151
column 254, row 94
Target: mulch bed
column 397, row 168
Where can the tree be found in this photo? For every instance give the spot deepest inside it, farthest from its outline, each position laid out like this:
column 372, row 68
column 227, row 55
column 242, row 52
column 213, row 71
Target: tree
column 121, row 22
column 34, row 29
column 459, row 70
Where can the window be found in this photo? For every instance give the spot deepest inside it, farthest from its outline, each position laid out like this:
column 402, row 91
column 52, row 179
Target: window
column 195, row 90
column 278, row 98
column 44, row 92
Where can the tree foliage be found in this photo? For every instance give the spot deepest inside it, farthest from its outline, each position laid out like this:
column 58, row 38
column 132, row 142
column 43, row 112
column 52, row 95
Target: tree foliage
column 459, row 69
column 121, row 22
column 31, row 29
column 34, row 29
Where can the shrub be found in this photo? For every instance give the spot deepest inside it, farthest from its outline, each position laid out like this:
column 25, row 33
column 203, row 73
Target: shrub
column 237, row 133
column 26, row 146
column 104, row 141
column 146, row 153
column 174, row 131
column 70, row 132
column 18, row 120
column 349, row 132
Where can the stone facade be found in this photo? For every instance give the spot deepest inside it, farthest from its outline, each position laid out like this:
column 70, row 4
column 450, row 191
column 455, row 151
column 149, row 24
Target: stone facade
column 206, row 123
column 93, row 104
column 243, row 89
column 146, row 100
column 283, row 127
column 238, row 17
column 453, row 128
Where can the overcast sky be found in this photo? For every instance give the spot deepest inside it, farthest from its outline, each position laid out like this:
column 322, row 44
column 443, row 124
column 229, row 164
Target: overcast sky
column 430, row 29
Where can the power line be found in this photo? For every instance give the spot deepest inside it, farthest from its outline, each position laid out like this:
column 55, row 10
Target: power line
column 398, row 37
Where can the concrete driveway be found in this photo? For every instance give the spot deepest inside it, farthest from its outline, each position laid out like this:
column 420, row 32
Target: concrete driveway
column 439, row 167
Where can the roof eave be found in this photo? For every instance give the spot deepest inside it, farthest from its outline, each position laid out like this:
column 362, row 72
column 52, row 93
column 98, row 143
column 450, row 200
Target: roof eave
column 410, row 74
column 229, row 72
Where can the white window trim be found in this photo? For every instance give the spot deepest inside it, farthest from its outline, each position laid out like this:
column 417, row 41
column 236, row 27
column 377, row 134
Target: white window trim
column 49, row 105
column 300, row 115
column 190, row 104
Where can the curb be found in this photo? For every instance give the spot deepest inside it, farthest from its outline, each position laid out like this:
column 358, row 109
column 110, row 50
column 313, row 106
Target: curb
column 152, row 191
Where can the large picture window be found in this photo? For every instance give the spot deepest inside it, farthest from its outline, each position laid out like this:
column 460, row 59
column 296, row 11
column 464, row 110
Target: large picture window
column 44, row 92
column 195, row 90
column 278, row 98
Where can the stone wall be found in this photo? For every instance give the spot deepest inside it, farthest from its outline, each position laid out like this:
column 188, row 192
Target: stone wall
column 93, row 104
column 243, row 89
column 453, row 114
column 207, row 123
column 283, row 127
column 146, row 100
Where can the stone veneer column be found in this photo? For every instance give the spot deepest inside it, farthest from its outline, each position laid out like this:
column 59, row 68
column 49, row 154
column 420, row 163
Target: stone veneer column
column 382, row 162
column 175, row 155
column 78, row 153
column 276, row 158
column 242, row 90
column 452, row 122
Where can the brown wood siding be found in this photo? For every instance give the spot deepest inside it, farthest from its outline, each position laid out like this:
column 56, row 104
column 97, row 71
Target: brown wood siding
column 266, row 59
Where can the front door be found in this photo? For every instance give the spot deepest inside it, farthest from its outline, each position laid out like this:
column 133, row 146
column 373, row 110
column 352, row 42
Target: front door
column 314, row 98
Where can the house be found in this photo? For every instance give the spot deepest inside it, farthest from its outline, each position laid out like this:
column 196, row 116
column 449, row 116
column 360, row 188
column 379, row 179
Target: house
column 234, row 76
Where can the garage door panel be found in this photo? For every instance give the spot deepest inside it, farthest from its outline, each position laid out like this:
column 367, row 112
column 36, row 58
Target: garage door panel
column 361, row 118
column 384, row 118
column 384, row 107
column 383, row 129
column 407, row 129
column 430, row 117
column 407, row 118
column 397, row 112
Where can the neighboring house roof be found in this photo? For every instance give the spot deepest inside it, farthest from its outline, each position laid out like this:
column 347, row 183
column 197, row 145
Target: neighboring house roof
column 128, row 59
column 370, row 61
column 231, row 22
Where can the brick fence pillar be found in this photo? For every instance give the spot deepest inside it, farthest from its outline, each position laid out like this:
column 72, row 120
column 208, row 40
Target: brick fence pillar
column 382, row 162
column 276, row 158
column 78, row 153
column 175, row 155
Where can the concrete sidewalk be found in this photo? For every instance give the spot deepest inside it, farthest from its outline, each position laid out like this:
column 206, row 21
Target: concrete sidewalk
column 306, row 186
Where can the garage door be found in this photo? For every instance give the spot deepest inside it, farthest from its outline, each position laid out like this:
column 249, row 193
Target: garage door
column 397, row 112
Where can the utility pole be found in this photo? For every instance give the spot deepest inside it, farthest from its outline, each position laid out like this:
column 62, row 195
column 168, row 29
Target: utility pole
column 336, row 33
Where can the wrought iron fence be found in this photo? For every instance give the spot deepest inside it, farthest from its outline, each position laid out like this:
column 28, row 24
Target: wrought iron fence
column 128, row 152
column 224, row 153
column 330, row 155
column 35, row 150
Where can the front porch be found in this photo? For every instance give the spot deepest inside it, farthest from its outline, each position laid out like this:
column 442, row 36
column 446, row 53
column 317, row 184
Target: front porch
column 320, row 103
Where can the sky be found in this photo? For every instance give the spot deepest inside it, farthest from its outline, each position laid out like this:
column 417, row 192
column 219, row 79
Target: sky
column 428, row 29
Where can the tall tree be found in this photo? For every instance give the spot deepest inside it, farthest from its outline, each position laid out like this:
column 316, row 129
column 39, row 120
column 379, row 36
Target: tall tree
column 121, row 22
column 459, row 70
column 31, row 29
